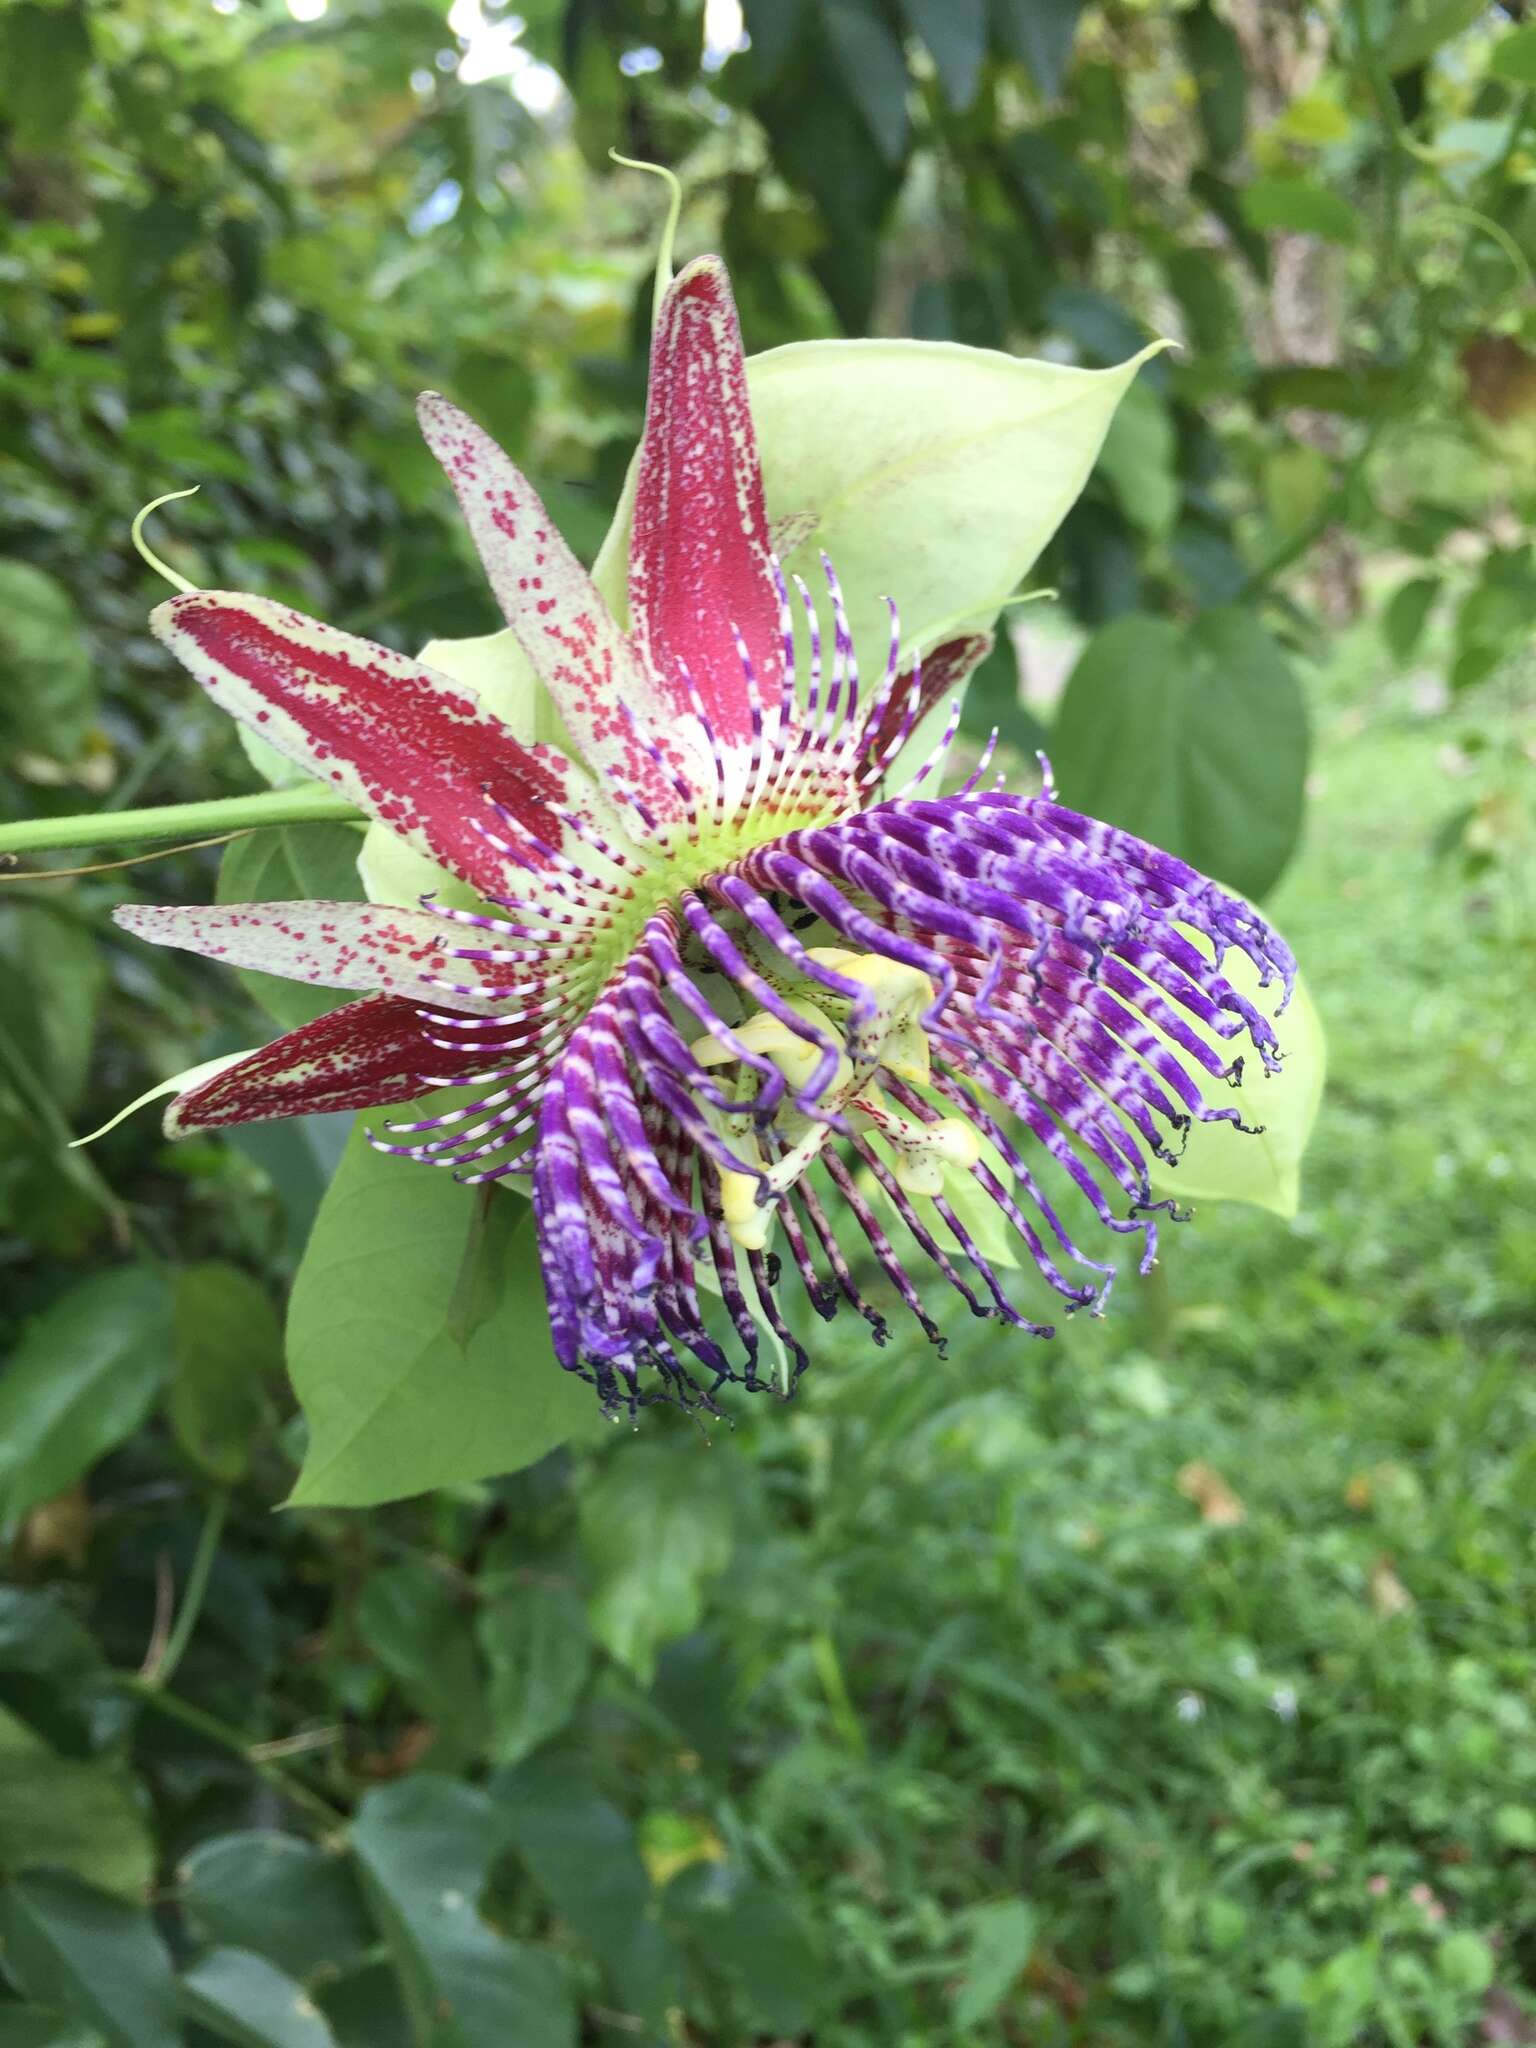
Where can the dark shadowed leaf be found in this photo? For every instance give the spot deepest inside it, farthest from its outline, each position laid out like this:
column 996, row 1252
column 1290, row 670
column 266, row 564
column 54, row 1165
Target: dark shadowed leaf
column 582, row 1851
column 955, row 33
column 90, row 1955
column 367, row 2009
column 229, row 1348
column 1206, row 299
column 1196, row 740
column 56, row 975
column 424, row 1637
column 395, row 1404
column 748, row 1927
column 34, row 2026
column 696, row 1685
column 425, row 1846
column 772, row 25
column 80, row 1381
column 1042, row 33
column 1215, row 60
column 874, row 68
column 49, row 702
column 279, row 1896
column 243, row 1998
column 536, row 1641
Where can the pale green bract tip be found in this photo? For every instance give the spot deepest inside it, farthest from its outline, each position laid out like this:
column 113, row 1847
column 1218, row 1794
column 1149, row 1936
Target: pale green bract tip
column 136, row 535
column 669, row 226
column 192, row 1077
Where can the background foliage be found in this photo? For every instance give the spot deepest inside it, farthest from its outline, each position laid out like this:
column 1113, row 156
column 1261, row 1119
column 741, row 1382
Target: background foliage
column 1174, row 1683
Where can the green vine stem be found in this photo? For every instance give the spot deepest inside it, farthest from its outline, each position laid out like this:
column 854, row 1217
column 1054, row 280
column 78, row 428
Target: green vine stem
column 177, row 821
column 196, row 1590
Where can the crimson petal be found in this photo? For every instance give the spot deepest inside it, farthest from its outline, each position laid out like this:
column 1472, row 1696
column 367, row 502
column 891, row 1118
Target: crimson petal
column 700, row 562
column 360, row 1056
column 405, row 744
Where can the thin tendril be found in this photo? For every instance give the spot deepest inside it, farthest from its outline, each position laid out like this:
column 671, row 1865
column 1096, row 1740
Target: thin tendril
column 136, row 535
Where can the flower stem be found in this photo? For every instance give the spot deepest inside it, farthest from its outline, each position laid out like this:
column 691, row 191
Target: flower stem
column 177, row 821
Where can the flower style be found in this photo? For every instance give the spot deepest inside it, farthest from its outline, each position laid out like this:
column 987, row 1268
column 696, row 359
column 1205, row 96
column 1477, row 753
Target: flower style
column 720, row 987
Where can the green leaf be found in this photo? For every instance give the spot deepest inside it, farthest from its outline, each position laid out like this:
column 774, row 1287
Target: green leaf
column 45, row 53
column 242, row 1998
column 395, row 1405
column 40, row 1635
column 955, row 34
column 1138, row 457
column 1514, row 56
column 49, row 701
column 279, row 1896
column 657, row 1524
column 1002, row 1941
column 1359, row 391
column 57, row 972
column 1298, row 485
column 772, row 25
column 280, row 864
column 366, row 2009
column 425, row 1846
column 1223, row 1164
column 1215, row 60
column 1419, row 27
column 1300, row 206
column 536, row 1641
column 70, row 1813
column 1194, row 739
column 1407, row 614
column 583, row 1852
column 1206, row 299
column 34, row 2026
column 1466, row 1962
column 928, row 471
column 992, row 699
column 1041, row 32
column 80, row 1381
column 229, row 1346
column 749, row 1929
column 424, row 1638
column 874, row 69
column 91, row 1955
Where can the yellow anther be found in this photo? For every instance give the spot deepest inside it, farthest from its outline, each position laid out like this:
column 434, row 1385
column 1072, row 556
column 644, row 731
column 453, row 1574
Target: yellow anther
column 795, row 1057
column 921, row 1152
column 903, row 996
column 748, row 1221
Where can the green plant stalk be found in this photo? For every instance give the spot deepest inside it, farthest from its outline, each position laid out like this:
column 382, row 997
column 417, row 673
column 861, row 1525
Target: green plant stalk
column 196, row 1589
column 282, row 1777
column 177, row 821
